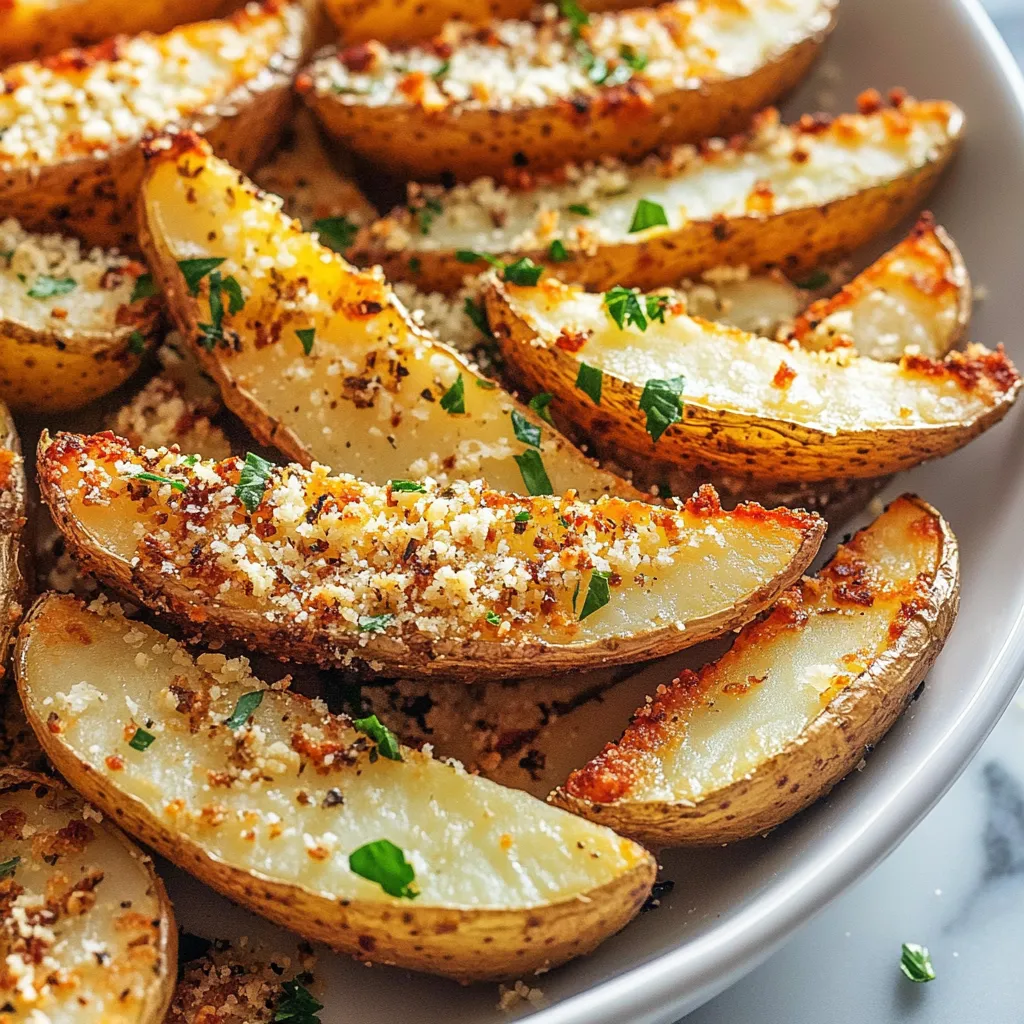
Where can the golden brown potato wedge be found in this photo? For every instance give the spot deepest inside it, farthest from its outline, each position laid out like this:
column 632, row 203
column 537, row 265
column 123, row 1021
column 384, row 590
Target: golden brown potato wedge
column 792, row 197
column 917, row 296
column 390, row 21
column 527, row 93
column 268, row 800
column 230, row 79
column 315, row 184
column 802, row 695
column 320, row 359
column 459, row 582
column 13, row 498
column 88, row 931
column 71, row 325
column 30, row 29
column 695, row 393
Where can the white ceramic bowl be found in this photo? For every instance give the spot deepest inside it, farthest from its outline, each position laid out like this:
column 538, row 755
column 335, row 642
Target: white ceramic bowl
column 731, row 907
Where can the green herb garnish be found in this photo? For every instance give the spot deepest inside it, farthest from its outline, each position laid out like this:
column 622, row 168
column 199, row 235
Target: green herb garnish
column 589, row 380
column 155, row 478
column 597, row 594
column 408, row 486
column 656, row 307
column 375, row 623
column 336, row 233
column 525, row 431
column 484, row 384
column 636, row 59
column 47, row 287
column 475, row 312
column 442, row 70
column 296, row 1005
column 493, row 618
column 8, row 867
column 386, row 740
column 817, row 280
column 427, row 213
column 453, row 401
column 306, row 336
column 915, row 963
column 145, row 288
column 253, row 480
column 524, row 272
column 142, row 740
column 581, row 208
column 136, row 343
column 472, row 256
column 244, row 709
column 539, row 404
column 535, row 476
column 647, row 215
column 624, row 307
column 662, row 402
column 575, row 15
column 195, row 270
column 384, row 863
column 522, row 517
column 557, row 252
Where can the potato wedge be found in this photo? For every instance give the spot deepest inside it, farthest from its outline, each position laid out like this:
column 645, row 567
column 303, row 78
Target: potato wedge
column 414, row 577
column 322, row 361
column 30, row 29
column 485, row 861
column 391, row 21
column 13, row 509
column 734, row 402
column 229, row 79
column 314, row 183
column 81, row 901
column 801, row 696
column 70, row 331
column 526, row 94
column 917, row 295
column 792, row 197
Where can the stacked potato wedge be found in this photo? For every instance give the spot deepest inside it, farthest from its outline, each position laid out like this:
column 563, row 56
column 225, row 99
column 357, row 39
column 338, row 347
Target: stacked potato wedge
column 679, row 364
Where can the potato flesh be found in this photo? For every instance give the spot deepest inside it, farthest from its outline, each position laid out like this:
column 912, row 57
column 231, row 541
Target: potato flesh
column 472, row 843
column 126, row 905
column 865, row 154
column 730, row 370
column 714, row 561
column 391, row 426
column 728, row 734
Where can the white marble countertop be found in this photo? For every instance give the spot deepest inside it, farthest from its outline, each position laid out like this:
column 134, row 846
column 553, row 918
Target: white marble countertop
column 956, row 885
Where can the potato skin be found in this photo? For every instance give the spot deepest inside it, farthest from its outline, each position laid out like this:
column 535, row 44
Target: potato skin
column 830, row 747
column 470, row 143
column 13, row 509
column 94, row 197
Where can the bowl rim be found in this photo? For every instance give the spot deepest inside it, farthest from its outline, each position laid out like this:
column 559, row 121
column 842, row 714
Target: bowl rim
column 678, row 981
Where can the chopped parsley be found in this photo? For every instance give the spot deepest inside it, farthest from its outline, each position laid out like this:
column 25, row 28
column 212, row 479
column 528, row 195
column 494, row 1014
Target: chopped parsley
column 493, row 619
column 523, row 517
column 597, row 594
column 590, row 380
column 408, row 486
column 386, row 740
column 142, row 740
column 8, row 867
column 236, row 301
column 252, row 482
column 524, row 271
column 539, row 404
column 244, row 709
column 306, row 336
column 375, row 623
column 647, row 215
column 296, row 1005
column 145, row 288
column 557, row 252
column 915, row 963
column 453, row 401
column 415, row 263
column 575, row 15
column 535, row 476
column 472, row 256
column 636, row 59
column 155, row 478
column 442, row 70
column 623, row 305
column 47, row 287
column 475, row 312
column 136, row 343
column 195, row 270
column 581, row 208
column 426, row 214
column 662, row 402
column 336, row 233
column 656, row 307
column 484, row 384
column 384, row 863
column 211, row 333
column 817, row 280
column 525, row 431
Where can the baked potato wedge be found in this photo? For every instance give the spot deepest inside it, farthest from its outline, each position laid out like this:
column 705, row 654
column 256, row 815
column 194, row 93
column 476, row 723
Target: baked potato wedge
column 459, row 582
column 13, row 509
column 71, row 326
column 30, row 29
column 519, row 94
column 88, row 932
column 331, row 830
column 321, row 360
column 786, row 196
column 918, row 295
column 230, row 79
column 795, row 704
column 699, row 394
column 316, row 185
column 402, row 21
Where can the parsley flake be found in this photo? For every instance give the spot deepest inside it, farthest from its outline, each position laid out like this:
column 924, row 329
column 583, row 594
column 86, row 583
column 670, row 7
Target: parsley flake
column 155, row 478
column 145, row 288
column 535, row 476
column 539, row 404
column 375, row 623
column 8, row 867
column 195, row 270
column 472, row 256
column 252, row 482
column 336, row 233
column 647, row 215
column 575, row 15
column 522, row 517
column 442, row 70
column 475, row 312
column 662, row 402
column 524, row 272
column 306, row 336
column 493, row 619
column 142, row 740
column 525, row 431
column 386, row 740
column 136, row 343
column 408, row 486
column 296, row 1005
column 384, row 863
column 244, row 709
column 557, row 252
column 915, row 963
column 597, row 594
column 453, row 401
column 636, row 59
column 47, row 287
column 816, row 280
column 623, row 305
column 426, row 214
column 589, row 380
column 581, row 208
